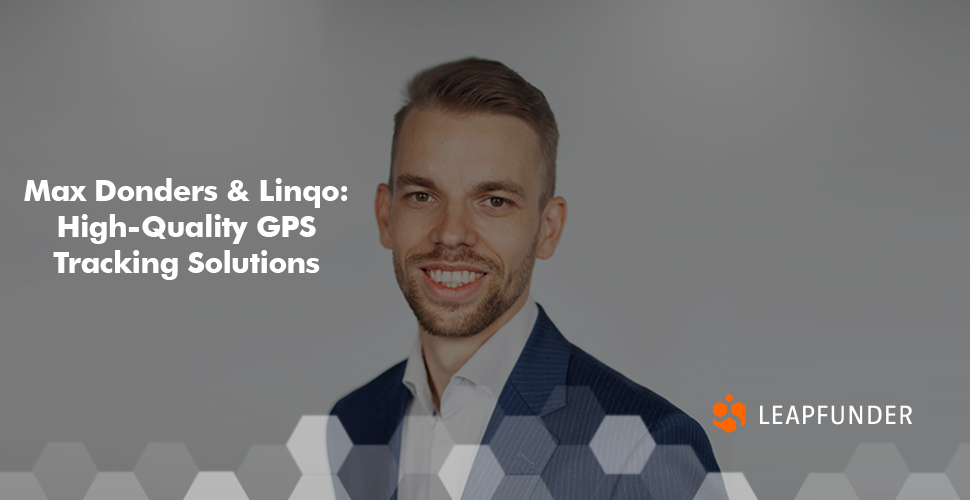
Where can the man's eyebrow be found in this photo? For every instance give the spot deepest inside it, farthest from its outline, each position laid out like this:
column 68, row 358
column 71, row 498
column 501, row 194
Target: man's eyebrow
column 413, row 180
column 507, row 186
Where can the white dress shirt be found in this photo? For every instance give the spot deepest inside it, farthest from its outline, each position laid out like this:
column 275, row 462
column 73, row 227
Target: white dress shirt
column 467, row 402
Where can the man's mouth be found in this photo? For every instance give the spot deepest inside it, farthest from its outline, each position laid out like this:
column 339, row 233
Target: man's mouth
column 453, row 279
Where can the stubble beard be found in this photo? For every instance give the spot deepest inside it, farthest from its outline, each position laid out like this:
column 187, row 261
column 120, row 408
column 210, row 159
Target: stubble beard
column 499, row 297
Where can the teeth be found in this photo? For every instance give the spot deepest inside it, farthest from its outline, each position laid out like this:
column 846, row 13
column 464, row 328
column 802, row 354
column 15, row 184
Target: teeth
column 453, row 279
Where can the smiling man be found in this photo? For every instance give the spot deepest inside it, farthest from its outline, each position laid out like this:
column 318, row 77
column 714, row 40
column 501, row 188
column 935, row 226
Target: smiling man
column 493, row 402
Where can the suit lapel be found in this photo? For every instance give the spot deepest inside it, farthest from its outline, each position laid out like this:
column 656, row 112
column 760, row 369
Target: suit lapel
column 372, row 421
column 519, row 443
column 539, row 375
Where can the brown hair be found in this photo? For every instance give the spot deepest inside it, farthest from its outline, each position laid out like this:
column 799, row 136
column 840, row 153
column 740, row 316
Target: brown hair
column 475, row 85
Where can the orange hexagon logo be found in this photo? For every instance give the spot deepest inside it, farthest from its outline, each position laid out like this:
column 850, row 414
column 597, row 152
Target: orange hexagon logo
column 729, row 424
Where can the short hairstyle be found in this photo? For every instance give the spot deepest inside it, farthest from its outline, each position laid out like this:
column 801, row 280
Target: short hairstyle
column 476, row 85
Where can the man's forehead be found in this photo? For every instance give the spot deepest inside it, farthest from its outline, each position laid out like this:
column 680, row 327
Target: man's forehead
column 467, row 148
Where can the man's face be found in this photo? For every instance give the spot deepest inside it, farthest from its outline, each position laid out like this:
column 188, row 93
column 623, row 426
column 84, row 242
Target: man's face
column 463, row 220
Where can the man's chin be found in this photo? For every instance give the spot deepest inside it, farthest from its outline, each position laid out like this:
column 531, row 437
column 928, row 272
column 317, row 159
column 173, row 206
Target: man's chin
column 454, row 319
column 450, row 314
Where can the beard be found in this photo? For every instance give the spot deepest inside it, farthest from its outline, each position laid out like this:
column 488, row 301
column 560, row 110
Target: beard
column 498, row 297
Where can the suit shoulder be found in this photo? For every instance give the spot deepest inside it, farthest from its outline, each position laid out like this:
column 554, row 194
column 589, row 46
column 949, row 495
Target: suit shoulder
column 617, row 394
column 366, row 396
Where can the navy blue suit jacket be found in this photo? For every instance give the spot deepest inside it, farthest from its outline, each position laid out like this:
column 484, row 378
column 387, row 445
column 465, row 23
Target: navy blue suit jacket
column 548, row 412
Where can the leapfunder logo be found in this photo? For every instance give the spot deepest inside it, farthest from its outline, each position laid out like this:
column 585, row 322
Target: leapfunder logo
column 729, row 424
column 838, row 415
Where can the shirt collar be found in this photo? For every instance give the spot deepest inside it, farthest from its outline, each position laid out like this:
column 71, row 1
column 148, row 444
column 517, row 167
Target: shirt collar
column 488, row 368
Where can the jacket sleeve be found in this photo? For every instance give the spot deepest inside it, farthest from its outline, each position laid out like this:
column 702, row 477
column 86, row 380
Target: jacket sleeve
column 674, row 460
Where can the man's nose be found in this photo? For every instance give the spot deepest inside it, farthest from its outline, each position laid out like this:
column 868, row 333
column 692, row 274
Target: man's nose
column 455, row 226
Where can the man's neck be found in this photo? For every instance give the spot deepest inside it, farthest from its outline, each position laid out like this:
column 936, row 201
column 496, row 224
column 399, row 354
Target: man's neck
column 444, row 356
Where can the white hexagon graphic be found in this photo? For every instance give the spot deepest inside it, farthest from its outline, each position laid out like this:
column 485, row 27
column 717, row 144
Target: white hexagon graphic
column 319, row 487
column 268, row 471
column 826, row 486
column 216, row 485
column 166, row 471
column 421, row 487
column 876, row 471
column 457, row 471
column 959, row 471
column 927, row 486
column 116, row 486
column 725, row 486
column 20, row 486
column 65, row 471
column 622, row 444
column 319, row 444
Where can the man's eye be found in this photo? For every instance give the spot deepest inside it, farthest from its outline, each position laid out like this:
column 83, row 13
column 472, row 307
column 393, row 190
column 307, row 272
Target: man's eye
column 421, row 197
column 496, row 202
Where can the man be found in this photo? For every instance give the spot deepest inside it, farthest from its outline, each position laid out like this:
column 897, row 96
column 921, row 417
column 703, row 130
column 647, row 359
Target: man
column 493, row 401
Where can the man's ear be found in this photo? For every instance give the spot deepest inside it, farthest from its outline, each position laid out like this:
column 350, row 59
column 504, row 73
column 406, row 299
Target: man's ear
column 550, row 227
column 382, row 208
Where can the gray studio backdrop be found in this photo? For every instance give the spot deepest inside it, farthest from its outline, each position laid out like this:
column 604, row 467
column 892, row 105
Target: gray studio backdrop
column 766, row 198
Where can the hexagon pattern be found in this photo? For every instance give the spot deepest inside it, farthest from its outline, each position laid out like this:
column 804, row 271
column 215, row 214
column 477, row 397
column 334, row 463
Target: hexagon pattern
column 212, row 485
column 927, row 486
column 876, row 471
column 421, row 487
column 20, row 486
column 959, row 471
column 521, row 434
column 166, row 471
column 65, row 471
column 319, row 444
column 673, row 472
column 268, row 471
column 614, row 443
column 582, row 404
column 454, row 472
column 541, row 492
column 471, row 467
column 517, row 486
column 116, row 486
column 369, row 472
column 712, row 488
column 826, row 486
column 574, row 472
column 724, row 486
column 319, row 487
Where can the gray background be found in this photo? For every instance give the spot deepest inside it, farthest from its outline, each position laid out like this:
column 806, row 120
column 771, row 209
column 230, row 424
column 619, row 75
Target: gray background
column 767, row 198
